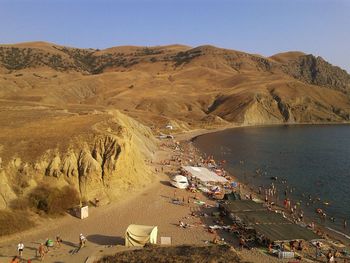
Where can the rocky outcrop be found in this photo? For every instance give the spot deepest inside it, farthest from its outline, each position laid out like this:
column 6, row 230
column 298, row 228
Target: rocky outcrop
column 317, row 71
column 283, row 108
column 6, row 192
column 262, row 110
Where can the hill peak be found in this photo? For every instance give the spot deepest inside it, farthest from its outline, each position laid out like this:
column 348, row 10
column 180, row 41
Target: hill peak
column 285, row 57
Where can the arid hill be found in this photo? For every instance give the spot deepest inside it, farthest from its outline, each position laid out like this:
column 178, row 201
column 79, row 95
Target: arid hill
column 60, row 107
column 188, row 85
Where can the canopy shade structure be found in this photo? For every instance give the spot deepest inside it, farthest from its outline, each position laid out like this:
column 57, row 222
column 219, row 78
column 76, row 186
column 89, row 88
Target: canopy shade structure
column 140, row 235
column 271, row 225
column 285, row 232
column 242, row 206
column 204, row 174
column 262, row 217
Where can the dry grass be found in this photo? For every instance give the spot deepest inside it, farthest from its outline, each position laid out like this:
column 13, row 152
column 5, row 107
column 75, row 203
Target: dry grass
column 29, row 132
column 13, row 222
column 179, row 254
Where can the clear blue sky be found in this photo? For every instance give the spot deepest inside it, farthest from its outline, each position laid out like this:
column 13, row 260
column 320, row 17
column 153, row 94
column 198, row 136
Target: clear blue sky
column 320, row 27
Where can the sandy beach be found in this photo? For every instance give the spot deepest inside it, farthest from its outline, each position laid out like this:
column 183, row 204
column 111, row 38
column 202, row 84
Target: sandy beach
column 105, row 227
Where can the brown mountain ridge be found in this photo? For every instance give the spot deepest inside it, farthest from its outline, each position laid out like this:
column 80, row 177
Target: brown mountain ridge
column 221, row 82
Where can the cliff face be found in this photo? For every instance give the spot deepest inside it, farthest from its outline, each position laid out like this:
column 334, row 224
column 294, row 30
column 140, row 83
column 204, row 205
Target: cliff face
column 273, row 106
column 317, row 71
column 104, row 164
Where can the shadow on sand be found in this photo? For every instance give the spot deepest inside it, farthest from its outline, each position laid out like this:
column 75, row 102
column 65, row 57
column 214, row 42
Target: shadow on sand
column 105, row 240
column 68, row 243
column 167, row 183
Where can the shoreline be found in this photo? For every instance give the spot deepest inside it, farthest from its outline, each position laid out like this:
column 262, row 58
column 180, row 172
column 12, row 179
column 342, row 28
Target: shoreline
column 191, row 135
column 329, row 232
column 237, row 125
column 157, row 193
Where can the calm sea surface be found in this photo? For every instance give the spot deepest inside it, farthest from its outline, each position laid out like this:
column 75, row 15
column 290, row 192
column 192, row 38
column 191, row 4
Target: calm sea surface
column 314, row 159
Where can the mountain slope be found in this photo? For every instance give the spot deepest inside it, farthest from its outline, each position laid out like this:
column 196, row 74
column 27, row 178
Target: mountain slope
column 178, row 83
column 60, row 107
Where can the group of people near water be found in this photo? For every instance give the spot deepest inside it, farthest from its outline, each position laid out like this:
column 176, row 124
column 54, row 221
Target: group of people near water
column 271, row 194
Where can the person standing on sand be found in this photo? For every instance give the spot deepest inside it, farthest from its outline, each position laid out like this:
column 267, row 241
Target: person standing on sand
column 82, row 241
column 345, row 223
column 58, row 240
column 20, row 248
column 41, row 251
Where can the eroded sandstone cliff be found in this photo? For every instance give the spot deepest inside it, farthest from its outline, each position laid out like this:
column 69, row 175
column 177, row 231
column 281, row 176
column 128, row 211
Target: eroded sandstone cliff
column 103, row 164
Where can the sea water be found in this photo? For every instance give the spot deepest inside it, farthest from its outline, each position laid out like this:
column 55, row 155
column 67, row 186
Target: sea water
column 314, row 160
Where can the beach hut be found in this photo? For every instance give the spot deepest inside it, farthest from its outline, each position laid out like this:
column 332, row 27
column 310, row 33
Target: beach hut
column 81, row 212
column 140, row 235
column 179, row 181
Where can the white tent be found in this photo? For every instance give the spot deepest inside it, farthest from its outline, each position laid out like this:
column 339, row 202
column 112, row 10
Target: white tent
column 139, row 235
column 179, row 181
column 204, row 174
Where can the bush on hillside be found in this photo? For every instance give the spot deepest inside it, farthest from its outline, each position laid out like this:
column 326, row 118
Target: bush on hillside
column 53, row 201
